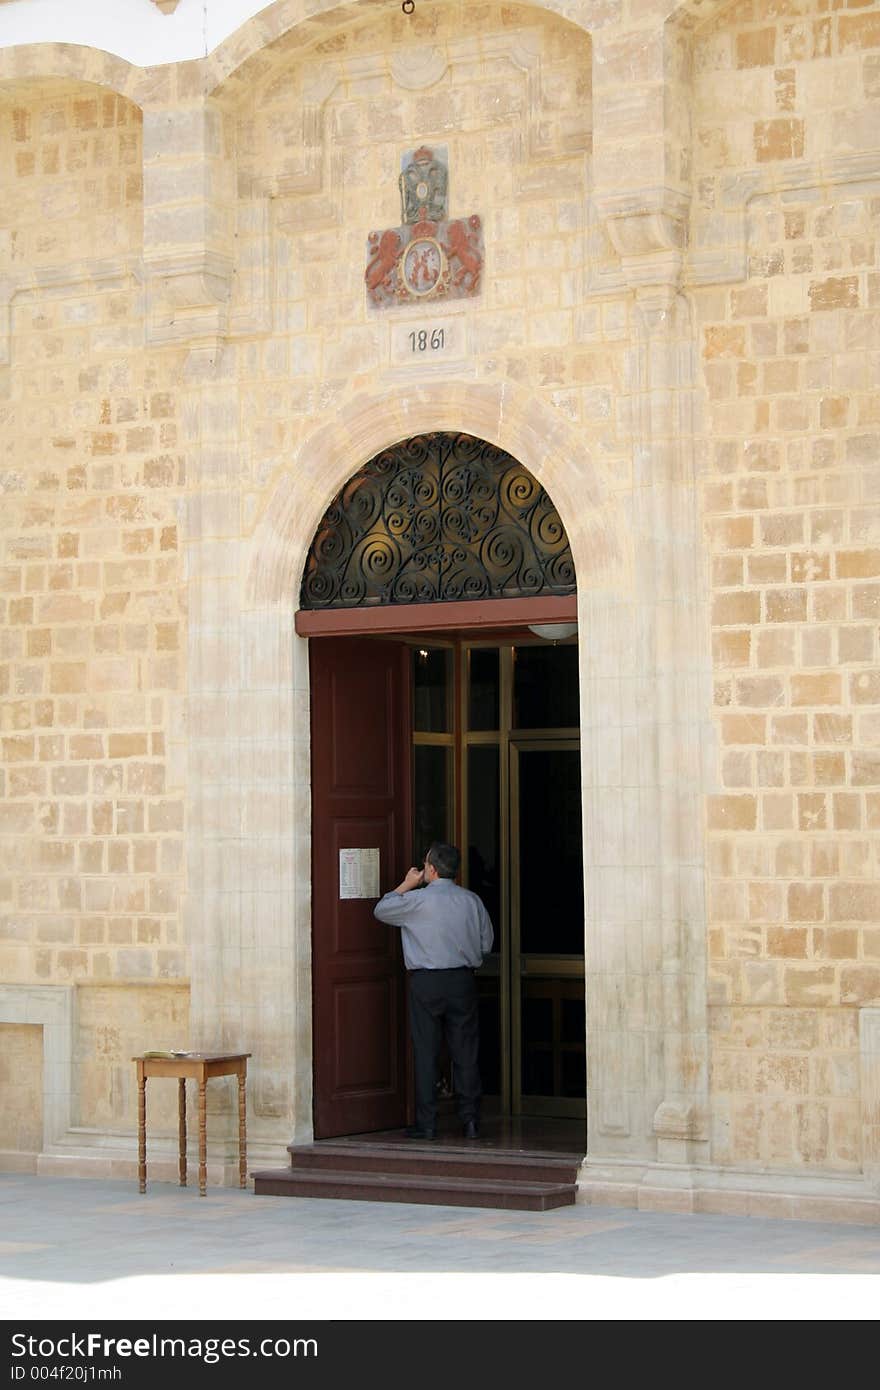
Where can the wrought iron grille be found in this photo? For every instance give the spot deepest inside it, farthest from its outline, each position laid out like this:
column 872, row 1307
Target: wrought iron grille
column 441, row 517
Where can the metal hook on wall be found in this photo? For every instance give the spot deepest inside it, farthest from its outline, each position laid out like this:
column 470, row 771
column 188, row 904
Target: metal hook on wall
column 408, row 6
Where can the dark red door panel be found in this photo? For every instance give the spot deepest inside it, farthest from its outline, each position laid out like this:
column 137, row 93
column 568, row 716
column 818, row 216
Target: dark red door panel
column 360, row 800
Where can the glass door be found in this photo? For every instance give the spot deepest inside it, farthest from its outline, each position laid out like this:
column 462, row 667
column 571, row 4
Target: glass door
column 496, row 770
column 433, row 754
column 522, row 828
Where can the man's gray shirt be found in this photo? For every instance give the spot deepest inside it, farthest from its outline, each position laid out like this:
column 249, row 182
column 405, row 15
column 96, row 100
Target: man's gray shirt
column 442, row 926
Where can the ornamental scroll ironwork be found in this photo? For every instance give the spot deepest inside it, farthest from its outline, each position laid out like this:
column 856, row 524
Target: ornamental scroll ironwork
column 439, row 518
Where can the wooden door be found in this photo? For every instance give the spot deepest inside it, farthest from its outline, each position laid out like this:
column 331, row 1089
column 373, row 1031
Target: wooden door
column 361, row 799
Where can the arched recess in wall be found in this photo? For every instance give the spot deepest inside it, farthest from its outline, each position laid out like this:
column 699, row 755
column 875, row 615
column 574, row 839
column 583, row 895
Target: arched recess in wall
column 76, row 233
column 42, row 62
column 557, row 453
column 232, row 57
column 447, row 532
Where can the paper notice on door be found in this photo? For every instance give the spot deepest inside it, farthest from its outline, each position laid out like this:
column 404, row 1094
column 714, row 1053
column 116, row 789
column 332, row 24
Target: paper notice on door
column 358, row 873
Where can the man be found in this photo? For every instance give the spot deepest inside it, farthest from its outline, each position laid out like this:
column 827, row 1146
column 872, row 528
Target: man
column 445, row 932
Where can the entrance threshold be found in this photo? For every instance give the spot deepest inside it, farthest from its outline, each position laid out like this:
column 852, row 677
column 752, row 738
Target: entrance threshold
column 507, row 1134
column 516, row 1165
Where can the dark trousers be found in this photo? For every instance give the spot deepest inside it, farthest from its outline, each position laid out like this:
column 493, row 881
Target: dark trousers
column 445, row 1002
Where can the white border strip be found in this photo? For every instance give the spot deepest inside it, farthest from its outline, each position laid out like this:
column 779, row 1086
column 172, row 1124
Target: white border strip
column 50, row 1006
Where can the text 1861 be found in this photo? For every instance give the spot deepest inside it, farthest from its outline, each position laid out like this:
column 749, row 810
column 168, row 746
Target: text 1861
column 422, row 340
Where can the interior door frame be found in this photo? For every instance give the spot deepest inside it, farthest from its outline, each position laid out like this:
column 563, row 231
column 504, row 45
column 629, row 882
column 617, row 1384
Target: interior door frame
column 550, row 966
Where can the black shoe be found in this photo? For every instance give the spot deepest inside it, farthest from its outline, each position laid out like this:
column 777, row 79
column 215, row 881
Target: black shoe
column 470, row 1129
column 417, row 1132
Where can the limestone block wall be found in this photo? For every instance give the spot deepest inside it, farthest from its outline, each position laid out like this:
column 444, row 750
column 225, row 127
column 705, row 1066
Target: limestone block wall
column 681, row 280
column 91, row 618
column 786, row 173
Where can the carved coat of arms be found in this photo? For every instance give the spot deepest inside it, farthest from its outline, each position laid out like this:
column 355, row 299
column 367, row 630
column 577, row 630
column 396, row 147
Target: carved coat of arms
column 429, row 256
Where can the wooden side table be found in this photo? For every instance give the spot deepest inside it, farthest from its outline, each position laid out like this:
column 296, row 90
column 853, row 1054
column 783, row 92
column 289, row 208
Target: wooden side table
column 200, row 1066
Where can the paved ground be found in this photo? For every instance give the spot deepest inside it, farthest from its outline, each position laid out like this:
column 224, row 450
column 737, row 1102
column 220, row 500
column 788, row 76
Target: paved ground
column 71, row 1248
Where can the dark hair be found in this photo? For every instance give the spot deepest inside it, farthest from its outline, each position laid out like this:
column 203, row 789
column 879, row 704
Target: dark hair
column 445, row 859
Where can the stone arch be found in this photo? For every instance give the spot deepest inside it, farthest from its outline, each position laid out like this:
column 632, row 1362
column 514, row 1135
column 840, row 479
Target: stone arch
column 36, row 62
column 314, row 20
column 237, row 54
column 508, row 416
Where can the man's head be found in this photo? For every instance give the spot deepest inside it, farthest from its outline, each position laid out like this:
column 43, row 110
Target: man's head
column 443, row 859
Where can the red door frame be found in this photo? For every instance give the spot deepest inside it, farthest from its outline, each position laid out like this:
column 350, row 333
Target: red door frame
column 392, row 619
column 409, row 619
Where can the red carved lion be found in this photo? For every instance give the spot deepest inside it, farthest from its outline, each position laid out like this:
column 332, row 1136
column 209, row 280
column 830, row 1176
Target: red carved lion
column 464, row 247
column 379, row 270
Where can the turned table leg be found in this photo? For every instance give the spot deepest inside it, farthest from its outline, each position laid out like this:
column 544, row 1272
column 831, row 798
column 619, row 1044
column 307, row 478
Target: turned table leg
column 242, row 1132
column 181, row 1130
column 142, row 1131
column 203, row 1136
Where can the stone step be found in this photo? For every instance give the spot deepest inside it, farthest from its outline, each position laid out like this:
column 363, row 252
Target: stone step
column 431, row 1159
column 509, row 1194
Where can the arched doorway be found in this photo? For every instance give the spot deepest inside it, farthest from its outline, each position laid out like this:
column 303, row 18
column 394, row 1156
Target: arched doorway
column 439, row 711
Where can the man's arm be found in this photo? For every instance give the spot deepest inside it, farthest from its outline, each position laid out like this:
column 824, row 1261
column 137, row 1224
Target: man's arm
column 393, row 907
column 413, row 878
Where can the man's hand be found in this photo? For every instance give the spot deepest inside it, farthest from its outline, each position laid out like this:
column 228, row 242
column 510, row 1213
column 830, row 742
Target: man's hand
column 414, row 879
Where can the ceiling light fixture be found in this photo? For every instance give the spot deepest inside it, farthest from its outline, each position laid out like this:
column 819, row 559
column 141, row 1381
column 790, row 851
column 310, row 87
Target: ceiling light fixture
column 553, row 632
